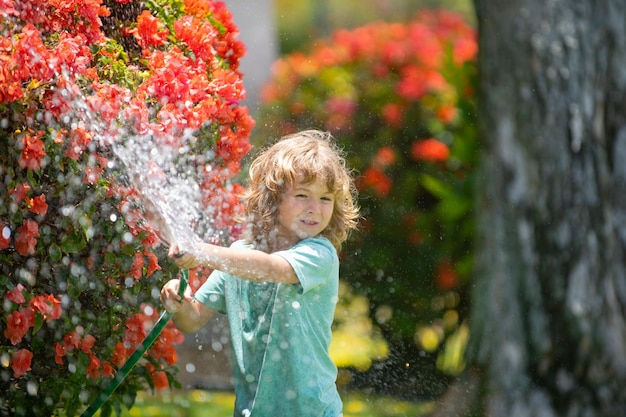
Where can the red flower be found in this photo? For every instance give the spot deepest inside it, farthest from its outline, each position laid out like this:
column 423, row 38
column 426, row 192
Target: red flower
column 94, row 366
column 32, row 153
column 429, row 150
column 107, row 370
column 119, row 354
column 59, row 351
column 80, row 139
column 20, row 192
column 71, row 340
column 17, row 327
column 392, row 114
column 447, row 113
column 446, row 276
column 159, row 378
column 197, row 35
column 38, row 205
column 465, row 49
column 21, row 362
column 375, row 179
column 150, row 30
column 26, row 238
column 48, row 305
column 384, row 157
column 87, row 343
column 417, row 81
column 16, row 295
column 153, row 263
column 136, row 269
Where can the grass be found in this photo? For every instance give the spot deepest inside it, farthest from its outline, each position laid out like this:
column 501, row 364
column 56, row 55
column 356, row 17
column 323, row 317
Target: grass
column 220, row 404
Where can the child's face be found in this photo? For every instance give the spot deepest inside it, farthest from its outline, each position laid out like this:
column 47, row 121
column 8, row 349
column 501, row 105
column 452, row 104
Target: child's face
column 305, row 210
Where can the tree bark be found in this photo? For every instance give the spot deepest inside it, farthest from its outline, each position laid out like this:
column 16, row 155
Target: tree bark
column 548, row 319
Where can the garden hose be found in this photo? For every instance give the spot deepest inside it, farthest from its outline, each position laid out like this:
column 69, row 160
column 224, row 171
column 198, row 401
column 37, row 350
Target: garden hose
column 130, row 363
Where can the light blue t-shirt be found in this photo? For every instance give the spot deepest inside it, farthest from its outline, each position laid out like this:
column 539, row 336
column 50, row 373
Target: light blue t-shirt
column 280, row 334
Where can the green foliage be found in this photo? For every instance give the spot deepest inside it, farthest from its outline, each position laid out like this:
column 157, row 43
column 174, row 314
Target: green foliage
column 80, row 269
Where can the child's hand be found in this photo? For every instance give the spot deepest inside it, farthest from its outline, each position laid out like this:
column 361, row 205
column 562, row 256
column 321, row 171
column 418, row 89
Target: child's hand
column 170, row 299
column 183, row 260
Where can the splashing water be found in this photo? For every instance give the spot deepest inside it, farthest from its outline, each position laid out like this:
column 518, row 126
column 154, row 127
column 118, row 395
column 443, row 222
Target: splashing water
column 171, row 199
column 163, row 173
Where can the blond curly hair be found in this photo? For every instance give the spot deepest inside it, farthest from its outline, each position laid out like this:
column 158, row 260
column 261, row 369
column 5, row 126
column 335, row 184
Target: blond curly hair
column 314, row 155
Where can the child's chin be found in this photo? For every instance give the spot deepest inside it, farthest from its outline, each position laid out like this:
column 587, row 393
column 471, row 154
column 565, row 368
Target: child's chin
column 302, row 235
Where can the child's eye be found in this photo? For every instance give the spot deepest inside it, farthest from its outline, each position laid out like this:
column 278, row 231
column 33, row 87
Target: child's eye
column 301, row 195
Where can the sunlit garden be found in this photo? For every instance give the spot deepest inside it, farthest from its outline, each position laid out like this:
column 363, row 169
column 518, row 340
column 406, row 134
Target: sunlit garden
column 103, row 103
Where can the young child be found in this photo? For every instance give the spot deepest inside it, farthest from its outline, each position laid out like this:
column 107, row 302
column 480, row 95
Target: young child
column 278, row 286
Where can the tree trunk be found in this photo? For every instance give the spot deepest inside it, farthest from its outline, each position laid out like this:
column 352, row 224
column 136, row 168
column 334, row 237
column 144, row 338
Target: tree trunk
column 548, row 322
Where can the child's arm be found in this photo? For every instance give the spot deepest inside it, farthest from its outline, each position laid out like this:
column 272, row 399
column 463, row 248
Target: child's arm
column 248, row 264
column 189, row 315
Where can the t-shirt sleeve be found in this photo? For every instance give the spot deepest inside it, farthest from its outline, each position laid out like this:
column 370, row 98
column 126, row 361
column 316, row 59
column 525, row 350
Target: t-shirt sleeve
column 313, row 260
column 212, row 293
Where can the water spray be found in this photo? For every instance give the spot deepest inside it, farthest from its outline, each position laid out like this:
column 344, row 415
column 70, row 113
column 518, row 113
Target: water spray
column 172, row 218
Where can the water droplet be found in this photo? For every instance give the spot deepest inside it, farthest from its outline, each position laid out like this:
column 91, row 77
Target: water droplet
column 31, row 388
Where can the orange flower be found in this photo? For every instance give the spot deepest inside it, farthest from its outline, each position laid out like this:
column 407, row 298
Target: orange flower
column 136, row 269
column 465, row 49
column 21, row 361
column 26, row 238
column 153, row 263
column 447, row 113
column 392, row 114
column 384, row 157
column 38, row 205
column 80, row 140
column 107, row 370
column 429, row 150
column 375, row 179
column 48, row 305
column 446, row 276
column 32, row 153
column 71, row 340
column 159, row 378
column 87, row 343
column 59, row 351
column 119, row 354
column 150, row 30
column 20, row 192
column 16, row 295
column 94, row 366
column 17, row 327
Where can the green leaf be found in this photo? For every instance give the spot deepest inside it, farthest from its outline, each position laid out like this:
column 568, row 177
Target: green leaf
column 436, row 187
column 38, row 323
column 73, row 243
column 54, row 251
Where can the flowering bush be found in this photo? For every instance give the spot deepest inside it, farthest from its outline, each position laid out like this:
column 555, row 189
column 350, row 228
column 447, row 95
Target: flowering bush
column 399, row 98
column 80, row 270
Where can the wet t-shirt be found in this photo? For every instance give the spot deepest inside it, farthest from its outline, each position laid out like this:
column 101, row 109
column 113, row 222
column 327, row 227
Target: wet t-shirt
column 281, row 333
